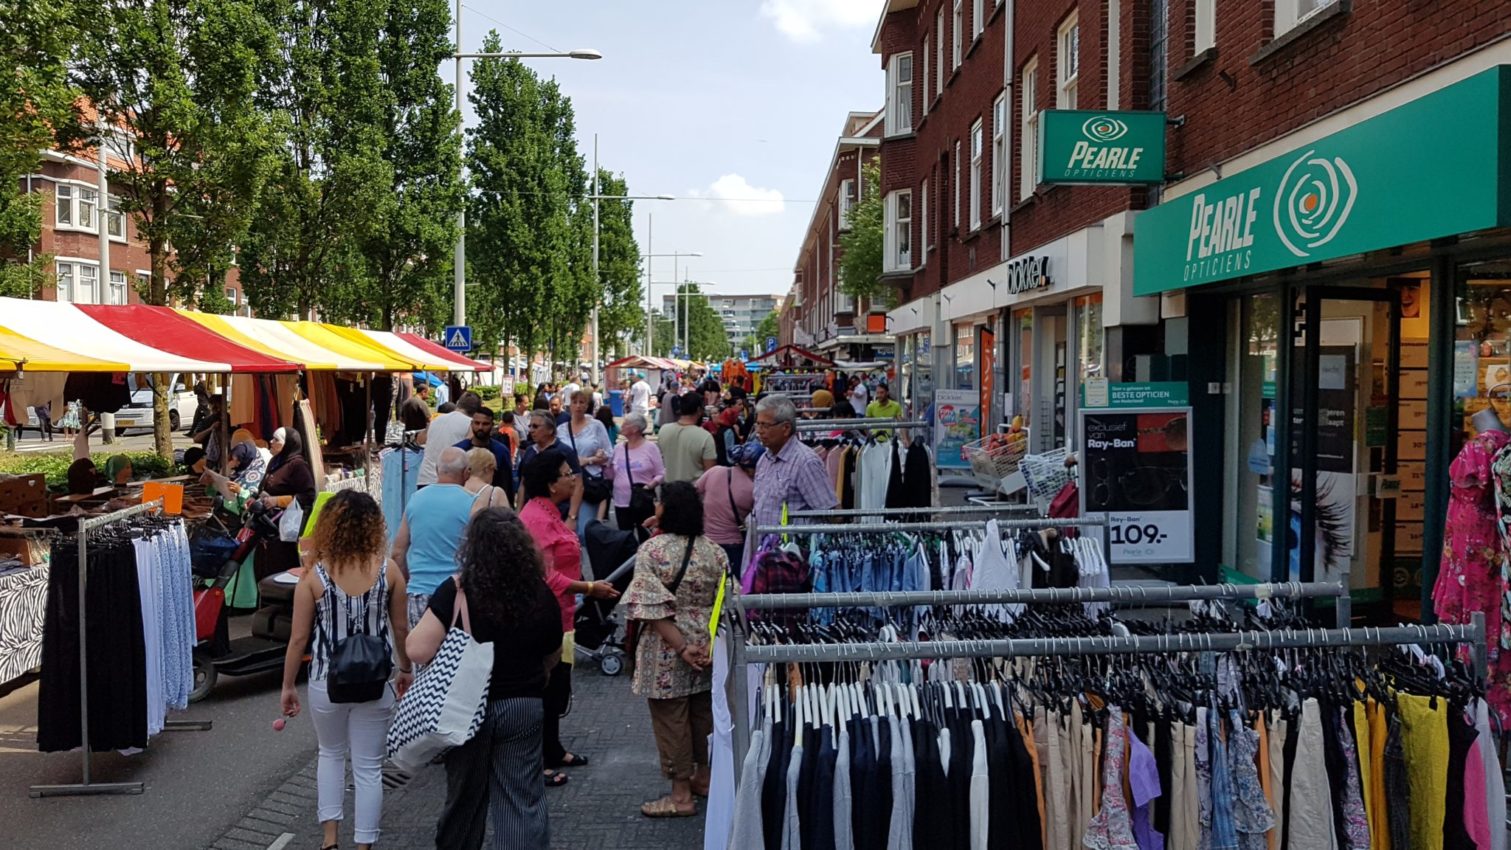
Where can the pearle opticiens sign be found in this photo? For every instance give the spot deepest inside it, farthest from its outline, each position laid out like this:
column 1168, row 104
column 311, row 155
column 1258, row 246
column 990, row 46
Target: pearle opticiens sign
column 1081, row 146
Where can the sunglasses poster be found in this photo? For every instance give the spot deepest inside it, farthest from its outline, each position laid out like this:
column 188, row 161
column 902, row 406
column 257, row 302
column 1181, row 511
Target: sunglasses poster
column 1135, row 466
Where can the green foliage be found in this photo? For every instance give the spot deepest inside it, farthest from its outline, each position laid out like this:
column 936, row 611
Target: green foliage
column 621, row 312
column 55, row 465
column 529, row 232
column 707, row 339
column 37, row 104
column 860, row 264
column 487, row 392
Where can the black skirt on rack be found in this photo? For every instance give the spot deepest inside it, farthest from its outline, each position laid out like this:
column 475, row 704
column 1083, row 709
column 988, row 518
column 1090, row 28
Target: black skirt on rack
column 117, row 652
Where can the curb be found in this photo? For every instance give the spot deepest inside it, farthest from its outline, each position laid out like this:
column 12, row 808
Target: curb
column 272, row 824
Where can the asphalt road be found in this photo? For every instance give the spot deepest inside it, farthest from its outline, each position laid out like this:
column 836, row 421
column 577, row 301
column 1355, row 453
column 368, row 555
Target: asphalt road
column 198, row 784
column 136, row 441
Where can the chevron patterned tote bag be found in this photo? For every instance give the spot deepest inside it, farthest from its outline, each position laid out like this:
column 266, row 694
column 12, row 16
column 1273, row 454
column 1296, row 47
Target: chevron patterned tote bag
column 447, row 702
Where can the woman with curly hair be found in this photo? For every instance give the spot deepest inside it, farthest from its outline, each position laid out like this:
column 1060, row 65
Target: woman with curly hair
column 349, row 592
column 500, row 596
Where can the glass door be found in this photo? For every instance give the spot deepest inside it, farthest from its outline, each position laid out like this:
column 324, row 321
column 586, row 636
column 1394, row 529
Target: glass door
column 1345, row 439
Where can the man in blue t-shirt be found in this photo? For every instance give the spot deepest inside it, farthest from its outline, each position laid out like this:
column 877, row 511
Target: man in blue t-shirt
column 482, row 438
column 434, row 520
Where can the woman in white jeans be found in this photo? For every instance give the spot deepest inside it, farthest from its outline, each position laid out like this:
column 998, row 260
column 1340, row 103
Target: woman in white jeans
column 349, row 591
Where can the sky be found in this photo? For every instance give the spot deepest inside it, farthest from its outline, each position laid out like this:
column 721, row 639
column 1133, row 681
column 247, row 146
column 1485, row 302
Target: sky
column 731, row 106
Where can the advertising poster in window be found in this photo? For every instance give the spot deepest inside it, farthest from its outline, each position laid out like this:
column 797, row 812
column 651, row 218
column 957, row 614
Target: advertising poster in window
column 988, row 366
column 957, row 421
column 1337, row 490
column 1136, row 467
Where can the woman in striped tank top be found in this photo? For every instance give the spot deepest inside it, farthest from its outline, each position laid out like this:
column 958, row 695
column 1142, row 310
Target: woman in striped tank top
column 349, row 591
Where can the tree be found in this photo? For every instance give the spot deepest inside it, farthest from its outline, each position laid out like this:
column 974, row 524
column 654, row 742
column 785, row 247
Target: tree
column 861, row 247
column 704, row 336
column 178, row 78
column 408, row 253
column 529, row 234
column 331, row 186
column 621, row 311
column 38, row 105
column 770, row 327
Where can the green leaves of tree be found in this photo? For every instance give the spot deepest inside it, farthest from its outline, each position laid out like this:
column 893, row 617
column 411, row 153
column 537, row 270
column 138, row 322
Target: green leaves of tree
column 860, row 265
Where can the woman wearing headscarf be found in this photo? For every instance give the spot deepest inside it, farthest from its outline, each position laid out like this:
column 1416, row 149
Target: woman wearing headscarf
column 288, row 479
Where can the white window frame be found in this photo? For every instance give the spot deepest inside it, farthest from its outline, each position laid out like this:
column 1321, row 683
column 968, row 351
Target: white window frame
column 939, row 67
column 1205, row 31
column 955, row 213
column 63, row 197
column 898, row 237
column 958, row 52
column 65, row 282
column 86, row 207
column 978, row 18
column 977, row 152
column 923, row 223
column 847, row 198
column 1028, row 119
column 115, row 220
column 117, row 293
column 899, row 119
column 924, row 75
column 999, row 153
column 1290, row 14
column 1068, row 62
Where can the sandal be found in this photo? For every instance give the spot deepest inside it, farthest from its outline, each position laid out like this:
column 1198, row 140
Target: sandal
column 555, row 779
column 666, row 807
column 573, row 760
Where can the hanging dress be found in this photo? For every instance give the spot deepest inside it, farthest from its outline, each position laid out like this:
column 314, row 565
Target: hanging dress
column 1470, row 573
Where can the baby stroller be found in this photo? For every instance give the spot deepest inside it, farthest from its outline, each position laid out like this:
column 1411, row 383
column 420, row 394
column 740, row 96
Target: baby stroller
column 611, row 555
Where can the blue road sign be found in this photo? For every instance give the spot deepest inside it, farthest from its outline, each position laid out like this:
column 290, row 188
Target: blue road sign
column 744, row 355
column 677, row 351
column 457, row 337
column 770, row 344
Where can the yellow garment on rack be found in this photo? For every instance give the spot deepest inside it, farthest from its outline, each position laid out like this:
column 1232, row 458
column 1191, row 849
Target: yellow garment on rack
column 1360, row 715
column 1379, row 824
column 1424, row 743
column 1026, row 729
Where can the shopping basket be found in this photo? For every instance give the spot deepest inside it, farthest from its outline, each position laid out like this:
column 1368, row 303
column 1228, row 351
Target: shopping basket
column 995, row 464
column 1046, row 475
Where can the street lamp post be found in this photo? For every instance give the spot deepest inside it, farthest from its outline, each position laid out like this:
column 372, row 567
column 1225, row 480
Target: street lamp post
column 459, row 260
column 650, row 283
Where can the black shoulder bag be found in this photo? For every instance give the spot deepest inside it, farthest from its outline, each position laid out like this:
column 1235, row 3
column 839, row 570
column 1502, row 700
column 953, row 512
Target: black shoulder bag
column 360, row 663
column 642, row 500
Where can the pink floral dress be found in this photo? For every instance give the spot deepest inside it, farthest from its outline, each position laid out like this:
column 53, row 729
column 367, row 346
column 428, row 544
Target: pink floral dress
column 1470, row 576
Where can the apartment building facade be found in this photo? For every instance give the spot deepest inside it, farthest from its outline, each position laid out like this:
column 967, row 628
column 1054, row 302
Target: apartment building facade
column 741, row 314
column 816, row 312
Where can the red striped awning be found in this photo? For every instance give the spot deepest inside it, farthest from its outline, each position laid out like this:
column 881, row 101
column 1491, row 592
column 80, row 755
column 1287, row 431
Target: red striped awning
column 166, row 330
column 435, row 350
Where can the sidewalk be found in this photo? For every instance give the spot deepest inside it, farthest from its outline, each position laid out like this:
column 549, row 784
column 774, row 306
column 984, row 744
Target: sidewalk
column 599, row 807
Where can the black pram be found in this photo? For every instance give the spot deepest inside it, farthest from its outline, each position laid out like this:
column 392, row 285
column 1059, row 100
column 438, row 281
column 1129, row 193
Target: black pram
column 611, row 555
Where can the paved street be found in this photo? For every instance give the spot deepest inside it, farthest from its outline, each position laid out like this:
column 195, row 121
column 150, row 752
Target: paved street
column 599, row 807
column 135, row 441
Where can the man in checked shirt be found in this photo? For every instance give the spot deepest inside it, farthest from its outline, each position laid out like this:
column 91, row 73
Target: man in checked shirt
column 789, row 472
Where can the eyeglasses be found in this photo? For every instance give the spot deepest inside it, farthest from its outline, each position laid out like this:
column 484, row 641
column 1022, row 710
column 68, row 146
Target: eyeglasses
column 760, row 424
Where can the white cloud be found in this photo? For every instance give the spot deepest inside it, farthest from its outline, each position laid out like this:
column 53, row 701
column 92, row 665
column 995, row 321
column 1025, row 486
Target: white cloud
column 805, row 20
column 735, row 194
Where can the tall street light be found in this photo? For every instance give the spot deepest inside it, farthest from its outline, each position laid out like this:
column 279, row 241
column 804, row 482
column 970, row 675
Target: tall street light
column 650, row 284
column 596, row 198
column 459, row 276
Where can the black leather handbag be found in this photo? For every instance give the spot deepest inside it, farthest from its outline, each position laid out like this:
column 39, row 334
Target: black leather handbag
column 359, row 669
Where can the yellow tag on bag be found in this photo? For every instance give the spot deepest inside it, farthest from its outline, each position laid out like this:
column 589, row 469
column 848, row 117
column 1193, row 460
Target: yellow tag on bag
column 713, row 621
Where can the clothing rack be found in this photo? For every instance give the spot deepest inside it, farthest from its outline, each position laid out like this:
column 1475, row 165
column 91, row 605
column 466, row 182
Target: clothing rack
column 859, row 424
column 956, row 510
column 841, row 528
column 88, row 786
column 1044, row 595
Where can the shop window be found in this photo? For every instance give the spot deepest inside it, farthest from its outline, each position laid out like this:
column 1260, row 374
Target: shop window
column 1249, row 540
column 1089, row 336
column 1482, row 343
column 965, row 357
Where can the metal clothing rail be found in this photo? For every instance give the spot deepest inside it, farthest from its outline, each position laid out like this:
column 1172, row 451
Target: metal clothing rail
column 840, row 528
column 88, row 786
column 859, row 424
column 1047, row 595
column 955, row 510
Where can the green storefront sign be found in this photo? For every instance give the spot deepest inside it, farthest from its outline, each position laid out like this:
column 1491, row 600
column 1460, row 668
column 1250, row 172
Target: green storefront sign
column 1080, row 146
column 1127, row 395
column 1437, row 166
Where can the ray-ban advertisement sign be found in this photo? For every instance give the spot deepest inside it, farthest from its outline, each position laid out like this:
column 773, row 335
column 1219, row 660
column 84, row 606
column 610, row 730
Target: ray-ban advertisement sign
column 1082, row 146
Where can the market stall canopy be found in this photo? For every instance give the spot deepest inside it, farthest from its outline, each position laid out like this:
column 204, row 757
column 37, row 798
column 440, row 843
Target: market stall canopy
column 330, row 337
column 27, row 353
column 792, row 355
column 167, row 330
column 640, row 361
column 438, row 351
column 278, row 339
column 86, row 344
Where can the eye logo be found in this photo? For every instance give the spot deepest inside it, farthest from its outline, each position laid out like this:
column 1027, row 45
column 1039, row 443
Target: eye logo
column 1313, row 202
column 1104, row 128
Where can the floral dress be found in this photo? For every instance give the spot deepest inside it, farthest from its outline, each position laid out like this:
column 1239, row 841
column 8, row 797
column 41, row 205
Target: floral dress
column 1470, row 575
column 659, row 672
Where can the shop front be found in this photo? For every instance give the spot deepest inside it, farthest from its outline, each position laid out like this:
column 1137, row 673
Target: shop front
column 1357, row 288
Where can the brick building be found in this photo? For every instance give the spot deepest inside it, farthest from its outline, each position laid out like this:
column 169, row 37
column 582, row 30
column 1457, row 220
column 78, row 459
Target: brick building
column 72, row 217
column 816, row 312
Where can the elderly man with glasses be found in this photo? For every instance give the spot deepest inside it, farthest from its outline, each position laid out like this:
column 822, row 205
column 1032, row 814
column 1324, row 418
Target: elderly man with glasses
column 542, row 437
column 789, row 473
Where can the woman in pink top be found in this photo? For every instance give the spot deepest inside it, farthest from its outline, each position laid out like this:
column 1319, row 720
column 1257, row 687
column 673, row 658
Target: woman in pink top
column 635, row 462
column 548, row 480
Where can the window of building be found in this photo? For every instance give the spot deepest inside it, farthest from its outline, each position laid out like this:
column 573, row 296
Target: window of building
column 115, row 220
column 923, row 75
column 88, row 200
column 939, row 51
column 65, row 282
column 976, row 154
column 978, row 18
column 1068, row 61
column 1290, row 13
column 899, row 230
column 965, row 357
column 999, row 153
column 118, row 293
column 87, row 279
column 846, row 202
column 1205, row 34
column 959, row 33
column 955, row 207
column 64, row 202
column 923, row 221
column 900, row 94
column 1028, row 167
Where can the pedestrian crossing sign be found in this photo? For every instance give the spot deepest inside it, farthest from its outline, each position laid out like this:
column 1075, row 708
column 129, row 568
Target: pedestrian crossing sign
column 457, row 338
